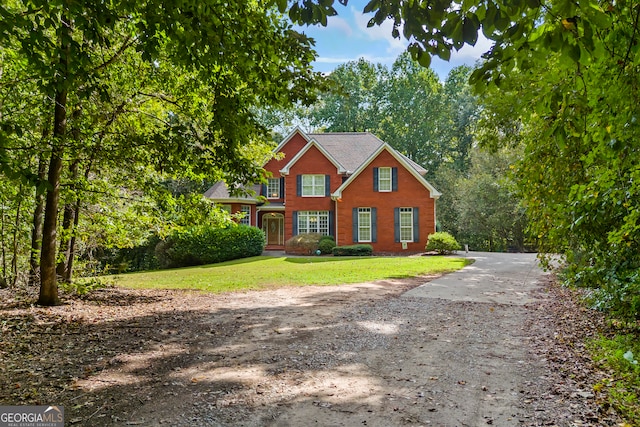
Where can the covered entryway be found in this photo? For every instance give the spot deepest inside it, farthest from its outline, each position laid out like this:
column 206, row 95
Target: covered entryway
column 273, row 227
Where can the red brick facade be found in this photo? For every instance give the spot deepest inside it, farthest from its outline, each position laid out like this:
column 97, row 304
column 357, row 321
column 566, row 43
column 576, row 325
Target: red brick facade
column 342, row 167
column 410, row 194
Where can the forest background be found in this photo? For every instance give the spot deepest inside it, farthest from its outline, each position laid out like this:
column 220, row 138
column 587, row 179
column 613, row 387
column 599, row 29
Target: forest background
column 111, row 127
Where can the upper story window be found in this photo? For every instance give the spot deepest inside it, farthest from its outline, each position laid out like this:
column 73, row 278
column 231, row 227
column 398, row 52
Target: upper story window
column 313, row 185
column 226, row 208
column 246, row 218
column 384, row 179
column 273, row 188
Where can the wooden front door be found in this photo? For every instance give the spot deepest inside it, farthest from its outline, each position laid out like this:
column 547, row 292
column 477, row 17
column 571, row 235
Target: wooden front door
column 273, row 227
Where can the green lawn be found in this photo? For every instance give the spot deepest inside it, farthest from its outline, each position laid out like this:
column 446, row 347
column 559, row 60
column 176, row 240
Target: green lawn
column 265, row 272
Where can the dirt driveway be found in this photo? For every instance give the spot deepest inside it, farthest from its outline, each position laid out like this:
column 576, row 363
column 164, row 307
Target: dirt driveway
column 455, row 351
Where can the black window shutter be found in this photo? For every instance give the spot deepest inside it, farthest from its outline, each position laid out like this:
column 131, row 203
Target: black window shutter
column 375, row 179
column 394, row 179
column 416, row 225
column 396, row 224
column 263, row 190
column 298, row 185
column 282, row 187
column 355, row 224
column 327, row 185
column 332, row 232
column 295, row 223
column 374, row 225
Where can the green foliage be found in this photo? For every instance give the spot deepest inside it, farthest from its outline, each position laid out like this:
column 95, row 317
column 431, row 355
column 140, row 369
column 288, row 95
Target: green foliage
column 575, row 115
column 615, row 287
column 207, row 245
column 353, row 250
column 303, row 244
column 621, row 354
column 405, row 105
column 122, row 97
column 482, row 207
column 442, row 242
column 326, row 244
column 138, row 258
column 83, row 287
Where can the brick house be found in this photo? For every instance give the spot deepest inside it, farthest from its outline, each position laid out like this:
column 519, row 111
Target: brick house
column 352, row 186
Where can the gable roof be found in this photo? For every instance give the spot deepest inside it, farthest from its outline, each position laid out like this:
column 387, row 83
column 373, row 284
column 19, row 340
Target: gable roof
column 350, row 149
column 400, row 158
column 299, row 154
column 346, row 150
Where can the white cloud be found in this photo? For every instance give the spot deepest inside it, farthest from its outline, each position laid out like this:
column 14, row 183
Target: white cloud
column 378, row 32
column 471, row 53
column 335, row 24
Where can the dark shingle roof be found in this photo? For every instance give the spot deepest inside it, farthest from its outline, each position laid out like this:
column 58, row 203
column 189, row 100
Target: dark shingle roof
column 220, row 191
column 352, row 149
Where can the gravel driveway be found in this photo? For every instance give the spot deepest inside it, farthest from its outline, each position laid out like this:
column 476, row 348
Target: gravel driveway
column 471, row 348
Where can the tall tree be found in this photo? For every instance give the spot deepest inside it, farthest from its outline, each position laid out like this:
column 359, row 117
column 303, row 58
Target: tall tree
column 354, row 103
column 462, row 113
column 412, row 117
column 243, row 54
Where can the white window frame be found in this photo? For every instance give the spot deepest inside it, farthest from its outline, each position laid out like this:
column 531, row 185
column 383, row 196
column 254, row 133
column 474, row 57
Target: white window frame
column 246, row 218
column 313, row 222
column 313, row 186
column 364, row 225
column 385, row 179
column 406, row 224
column 273, row 188
column 226, row 208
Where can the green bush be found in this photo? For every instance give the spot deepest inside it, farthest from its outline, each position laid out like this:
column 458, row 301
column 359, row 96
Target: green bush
column 207, row 245
column 442, row 242
column 303, row 244
column 612, row 276
column 326, row 244
column 353, row 250
column 83, row 286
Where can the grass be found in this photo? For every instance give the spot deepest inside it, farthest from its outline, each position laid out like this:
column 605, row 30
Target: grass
column 264, row 272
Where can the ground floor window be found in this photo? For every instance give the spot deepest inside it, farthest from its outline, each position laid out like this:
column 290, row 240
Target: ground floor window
column 406, row 224
column 364, row 224
column 246, row 211
column 313, row 222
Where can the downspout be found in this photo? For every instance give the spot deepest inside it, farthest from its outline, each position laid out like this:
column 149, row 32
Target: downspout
column 335, row 222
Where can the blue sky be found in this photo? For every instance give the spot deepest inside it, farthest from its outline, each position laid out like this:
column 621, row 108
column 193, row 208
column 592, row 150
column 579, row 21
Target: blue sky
column 347, row 38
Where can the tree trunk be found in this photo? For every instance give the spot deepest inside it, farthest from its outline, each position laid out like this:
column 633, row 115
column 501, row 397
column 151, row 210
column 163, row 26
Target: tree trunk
column 48, row 280
column 3, row 278
column 16, row 228
column 68, row 230
column 72, row 243
column 36, row 232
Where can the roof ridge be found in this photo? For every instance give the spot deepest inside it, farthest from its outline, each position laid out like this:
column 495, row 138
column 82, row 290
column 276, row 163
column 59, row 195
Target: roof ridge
column 340, row 133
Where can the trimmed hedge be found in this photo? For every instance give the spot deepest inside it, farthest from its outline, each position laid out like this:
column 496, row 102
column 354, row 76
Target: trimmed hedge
column 207, row 245
column 353, row 250
column 326, row 244
column 442, row 242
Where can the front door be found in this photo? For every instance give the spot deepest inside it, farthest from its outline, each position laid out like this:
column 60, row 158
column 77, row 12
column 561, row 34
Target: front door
column 273, row 227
